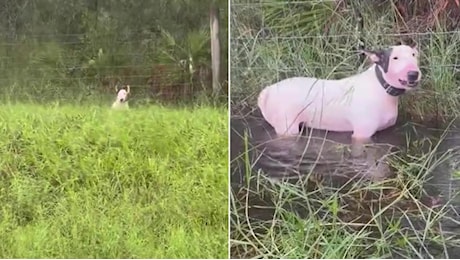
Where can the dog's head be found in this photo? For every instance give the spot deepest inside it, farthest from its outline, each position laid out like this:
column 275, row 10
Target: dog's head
column 122, row 93
column 398, row 64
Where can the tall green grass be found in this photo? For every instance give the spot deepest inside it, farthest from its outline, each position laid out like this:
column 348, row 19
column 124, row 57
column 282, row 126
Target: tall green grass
column 262, row 54
column 89, row 182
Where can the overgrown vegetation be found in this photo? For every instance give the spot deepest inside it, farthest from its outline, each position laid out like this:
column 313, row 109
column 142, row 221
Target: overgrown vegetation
column 79, row 180
column 308, row 218
column 93, row 183
column 81, row 49
column 276, row 40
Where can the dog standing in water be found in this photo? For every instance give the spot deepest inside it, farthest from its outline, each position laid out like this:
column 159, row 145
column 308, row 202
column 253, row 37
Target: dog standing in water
column 122, row 98
column 362, row 104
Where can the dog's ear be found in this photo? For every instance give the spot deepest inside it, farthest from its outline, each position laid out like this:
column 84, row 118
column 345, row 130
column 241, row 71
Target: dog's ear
column 374, row 56
column 410, row 42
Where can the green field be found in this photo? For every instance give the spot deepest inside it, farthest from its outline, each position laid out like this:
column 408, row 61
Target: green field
column 89, row 182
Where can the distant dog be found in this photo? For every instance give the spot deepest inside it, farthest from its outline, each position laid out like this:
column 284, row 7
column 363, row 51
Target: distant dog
column 122, row 98
column 363, row 104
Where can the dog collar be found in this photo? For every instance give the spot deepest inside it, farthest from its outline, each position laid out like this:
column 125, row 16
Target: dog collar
column 392, row 91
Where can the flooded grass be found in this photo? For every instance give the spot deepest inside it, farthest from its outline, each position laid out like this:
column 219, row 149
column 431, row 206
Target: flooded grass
column 285, row 203
column 89, row 182
column 312, row 217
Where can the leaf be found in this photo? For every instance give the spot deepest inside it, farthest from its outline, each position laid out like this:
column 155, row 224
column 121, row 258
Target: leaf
column 298, row 19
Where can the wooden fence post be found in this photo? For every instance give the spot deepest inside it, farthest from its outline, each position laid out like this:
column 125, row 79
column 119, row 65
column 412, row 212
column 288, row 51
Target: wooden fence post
column 215, row 49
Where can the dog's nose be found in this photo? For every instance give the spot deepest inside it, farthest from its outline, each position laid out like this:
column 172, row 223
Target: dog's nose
column 121, row 99
column 412, row 76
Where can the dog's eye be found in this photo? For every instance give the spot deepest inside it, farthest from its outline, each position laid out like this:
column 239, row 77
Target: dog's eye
column 413, row 54
column 395, row 58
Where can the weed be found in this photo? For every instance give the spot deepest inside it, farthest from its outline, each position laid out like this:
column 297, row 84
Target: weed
column 89, row 182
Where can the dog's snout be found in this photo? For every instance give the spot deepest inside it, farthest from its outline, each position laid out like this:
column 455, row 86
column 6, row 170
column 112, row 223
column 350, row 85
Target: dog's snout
column 412, row 75
column 122, row 99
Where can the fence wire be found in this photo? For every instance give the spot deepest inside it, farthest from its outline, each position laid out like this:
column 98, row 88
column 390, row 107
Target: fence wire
column 49, row 52
column 44, row 70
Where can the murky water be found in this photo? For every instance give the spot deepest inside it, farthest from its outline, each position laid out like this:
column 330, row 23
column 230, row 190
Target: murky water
column 293, row 157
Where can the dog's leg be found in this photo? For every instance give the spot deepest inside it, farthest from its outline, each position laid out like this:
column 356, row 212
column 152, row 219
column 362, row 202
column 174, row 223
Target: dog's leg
column 358, row 146
column 362, row 135
column 287, row 131
column 287, row 127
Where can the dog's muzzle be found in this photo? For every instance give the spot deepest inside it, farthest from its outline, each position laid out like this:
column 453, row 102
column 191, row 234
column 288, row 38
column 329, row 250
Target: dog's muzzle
column 412, row 78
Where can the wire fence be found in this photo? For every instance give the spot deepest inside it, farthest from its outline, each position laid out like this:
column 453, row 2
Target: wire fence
column 305, row 37
column 273, row 40
column 43, row 70
column 50, row 52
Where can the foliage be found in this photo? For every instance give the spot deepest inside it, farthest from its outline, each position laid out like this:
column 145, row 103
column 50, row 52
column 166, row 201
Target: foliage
column 297, row 19
column 88, row 182
column 95, row 45
column 307, row 217
column 269, row 45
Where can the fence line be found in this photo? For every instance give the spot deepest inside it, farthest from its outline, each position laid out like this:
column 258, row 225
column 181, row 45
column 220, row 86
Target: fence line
column 82, row 78
column 166, row 69
column 89, row 87
column 165, row 74
column 322, row 67
column 282, row 3
column 143, row 54
column 132, row 86
column 344, row 35
column 55, row 75
column 26, row 43
column 22, row 35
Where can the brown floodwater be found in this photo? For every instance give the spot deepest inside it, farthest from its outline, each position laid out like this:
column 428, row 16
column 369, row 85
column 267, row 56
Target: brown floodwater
column 290, row 158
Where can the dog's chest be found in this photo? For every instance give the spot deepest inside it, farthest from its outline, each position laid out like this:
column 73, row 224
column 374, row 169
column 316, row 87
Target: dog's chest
column 388, row 117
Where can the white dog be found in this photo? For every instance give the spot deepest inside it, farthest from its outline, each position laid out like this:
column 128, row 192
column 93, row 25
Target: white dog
column 363, row 104
column 121, row 101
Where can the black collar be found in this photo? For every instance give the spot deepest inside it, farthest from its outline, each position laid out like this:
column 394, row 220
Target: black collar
column 392, row 91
